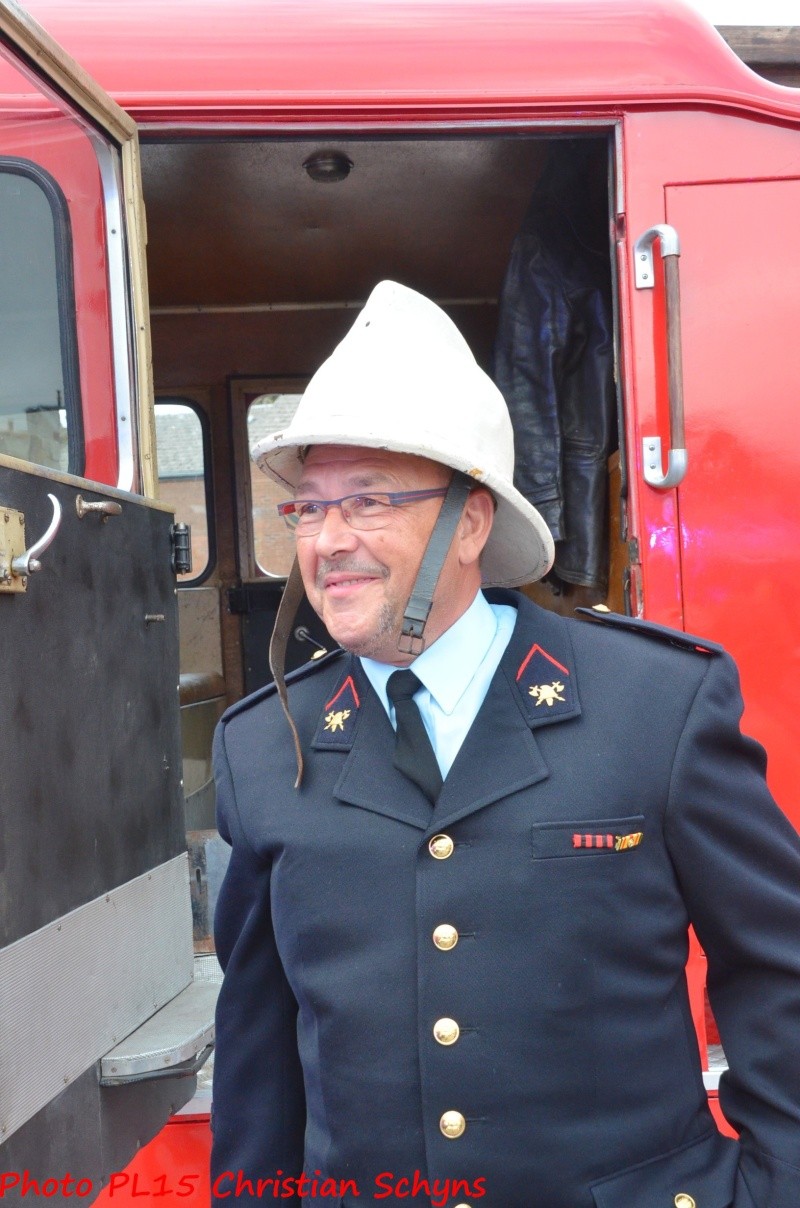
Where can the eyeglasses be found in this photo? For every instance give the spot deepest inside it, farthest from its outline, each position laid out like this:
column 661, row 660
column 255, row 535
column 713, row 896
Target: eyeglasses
column 307, row 516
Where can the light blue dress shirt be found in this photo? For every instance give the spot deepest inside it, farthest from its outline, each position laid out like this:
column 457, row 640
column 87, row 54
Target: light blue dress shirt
column 455, row 673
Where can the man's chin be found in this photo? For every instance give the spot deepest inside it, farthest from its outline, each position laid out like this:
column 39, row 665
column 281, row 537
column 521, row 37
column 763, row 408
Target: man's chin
column 362, row 646
column 380, row 645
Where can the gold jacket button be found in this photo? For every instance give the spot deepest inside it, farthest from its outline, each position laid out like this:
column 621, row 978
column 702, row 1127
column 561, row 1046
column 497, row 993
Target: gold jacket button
column 683, row 1200
column 452, row 1124
column 446, row 1031
column 441, row 846
column 445, row 937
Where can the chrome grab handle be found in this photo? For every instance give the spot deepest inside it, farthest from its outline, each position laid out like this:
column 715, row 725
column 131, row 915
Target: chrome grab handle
column 103, row 507
column 644, row 277
column 28, row 563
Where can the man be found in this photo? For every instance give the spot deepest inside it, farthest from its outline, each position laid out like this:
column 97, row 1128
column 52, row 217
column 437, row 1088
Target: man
column 456, row 975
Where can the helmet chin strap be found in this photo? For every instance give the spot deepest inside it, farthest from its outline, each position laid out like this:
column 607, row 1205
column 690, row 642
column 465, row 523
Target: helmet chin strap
column 284, row 620
column 411, row 640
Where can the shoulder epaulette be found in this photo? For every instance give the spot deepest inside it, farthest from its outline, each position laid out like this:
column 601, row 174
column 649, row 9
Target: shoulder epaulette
column 269, row 689
column 675, row 637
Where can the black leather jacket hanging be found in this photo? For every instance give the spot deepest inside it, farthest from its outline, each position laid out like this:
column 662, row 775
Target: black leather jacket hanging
column 554, row 360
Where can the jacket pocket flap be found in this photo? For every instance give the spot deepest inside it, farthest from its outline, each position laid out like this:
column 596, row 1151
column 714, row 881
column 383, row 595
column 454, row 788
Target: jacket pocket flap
column 597, row 836
column 701, row 1173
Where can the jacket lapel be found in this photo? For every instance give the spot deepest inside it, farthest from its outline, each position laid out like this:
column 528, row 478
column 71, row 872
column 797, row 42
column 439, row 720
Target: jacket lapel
column 499, row 756
column 534, row 686
column 369, row 778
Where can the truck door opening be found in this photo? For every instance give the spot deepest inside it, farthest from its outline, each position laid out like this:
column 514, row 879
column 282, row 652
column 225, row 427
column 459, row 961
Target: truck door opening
column 261, row 250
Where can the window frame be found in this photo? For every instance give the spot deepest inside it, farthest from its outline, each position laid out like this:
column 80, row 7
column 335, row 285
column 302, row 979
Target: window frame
column 239, row 390
column 65, row 294
column 130, row 464
column 179, row 398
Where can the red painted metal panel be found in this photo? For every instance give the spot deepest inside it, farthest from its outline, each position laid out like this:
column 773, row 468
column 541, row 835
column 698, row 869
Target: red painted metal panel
column 173, row 1167
column 35, row 129
column 740, row 530
column 721, row 555
column 246, row 56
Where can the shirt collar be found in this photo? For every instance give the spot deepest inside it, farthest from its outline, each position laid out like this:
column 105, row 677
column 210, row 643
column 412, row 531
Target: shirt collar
column 447, row 667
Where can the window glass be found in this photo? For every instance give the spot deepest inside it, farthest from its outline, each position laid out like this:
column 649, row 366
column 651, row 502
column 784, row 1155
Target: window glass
column 184, row 476
column 272, row 542
column 37, row 403
column 55, row 266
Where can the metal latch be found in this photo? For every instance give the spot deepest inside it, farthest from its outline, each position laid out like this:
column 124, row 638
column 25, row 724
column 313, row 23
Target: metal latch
column 12, row 545
column 17, row 562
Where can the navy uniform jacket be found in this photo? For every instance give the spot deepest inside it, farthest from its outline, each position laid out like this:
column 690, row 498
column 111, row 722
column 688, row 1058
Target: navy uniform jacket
column 603, row 799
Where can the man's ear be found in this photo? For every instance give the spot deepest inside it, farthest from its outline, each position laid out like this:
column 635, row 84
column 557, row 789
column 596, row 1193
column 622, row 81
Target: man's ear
column 475, row 525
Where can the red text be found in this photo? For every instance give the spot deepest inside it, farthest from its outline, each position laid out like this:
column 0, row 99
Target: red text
column 281, row 1187
column 134, row 1186
column 23, row 1184
column 439, row 1191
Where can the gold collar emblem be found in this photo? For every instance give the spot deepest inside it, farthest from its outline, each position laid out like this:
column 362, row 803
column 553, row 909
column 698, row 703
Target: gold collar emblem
column 547, row 694
column 335, row 720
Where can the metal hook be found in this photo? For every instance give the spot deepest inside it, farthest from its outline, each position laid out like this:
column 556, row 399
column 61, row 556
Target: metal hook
column 102, row 507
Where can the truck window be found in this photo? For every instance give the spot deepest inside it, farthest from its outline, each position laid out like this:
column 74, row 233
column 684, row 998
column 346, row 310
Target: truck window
column 64, row 252
column 184, row 477
column 272, row 543
column 40, row 417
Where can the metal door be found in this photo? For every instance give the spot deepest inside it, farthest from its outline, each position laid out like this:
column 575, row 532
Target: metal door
column 95, row 924
column 738, row 521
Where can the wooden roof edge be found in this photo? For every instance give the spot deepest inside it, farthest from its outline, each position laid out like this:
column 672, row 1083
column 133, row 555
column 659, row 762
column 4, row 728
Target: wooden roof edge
column 764, row 44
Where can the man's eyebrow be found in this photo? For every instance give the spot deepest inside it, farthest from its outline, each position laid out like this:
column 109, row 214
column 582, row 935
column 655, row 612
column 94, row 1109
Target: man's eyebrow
column 359, row 482
column 377, row 478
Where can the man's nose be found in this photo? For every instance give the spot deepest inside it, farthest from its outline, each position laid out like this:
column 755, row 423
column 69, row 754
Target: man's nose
column 336, row 535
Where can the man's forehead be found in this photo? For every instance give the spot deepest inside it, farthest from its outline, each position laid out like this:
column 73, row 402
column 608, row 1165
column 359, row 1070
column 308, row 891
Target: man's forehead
column 333, row 455
column 358, row 461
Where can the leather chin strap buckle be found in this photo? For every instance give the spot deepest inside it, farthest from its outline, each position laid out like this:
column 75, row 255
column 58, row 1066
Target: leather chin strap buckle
column 287, row 611
column 411, row 643
column 412, row 640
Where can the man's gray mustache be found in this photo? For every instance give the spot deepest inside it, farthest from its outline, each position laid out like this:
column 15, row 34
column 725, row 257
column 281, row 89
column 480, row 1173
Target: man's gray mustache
column 348, row 566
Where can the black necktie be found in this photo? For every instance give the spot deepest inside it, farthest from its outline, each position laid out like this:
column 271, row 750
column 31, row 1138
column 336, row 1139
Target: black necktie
column 413, row 753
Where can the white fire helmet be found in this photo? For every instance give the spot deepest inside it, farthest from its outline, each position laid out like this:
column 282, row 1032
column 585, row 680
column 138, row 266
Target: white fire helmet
column 403, row 379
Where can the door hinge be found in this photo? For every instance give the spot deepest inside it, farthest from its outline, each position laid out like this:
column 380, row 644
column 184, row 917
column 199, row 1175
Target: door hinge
column 181, row 542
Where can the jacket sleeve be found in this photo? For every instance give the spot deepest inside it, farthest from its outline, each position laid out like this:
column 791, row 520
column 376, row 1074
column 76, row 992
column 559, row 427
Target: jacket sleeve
column 737, row 858
column 258, row 1115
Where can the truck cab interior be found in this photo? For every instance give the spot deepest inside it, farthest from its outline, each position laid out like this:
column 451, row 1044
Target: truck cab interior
column 261, row 251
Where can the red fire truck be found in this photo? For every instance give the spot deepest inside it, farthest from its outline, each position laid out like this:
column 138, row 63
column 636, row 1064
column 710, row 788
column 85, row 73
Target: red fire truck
column 288, row 154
